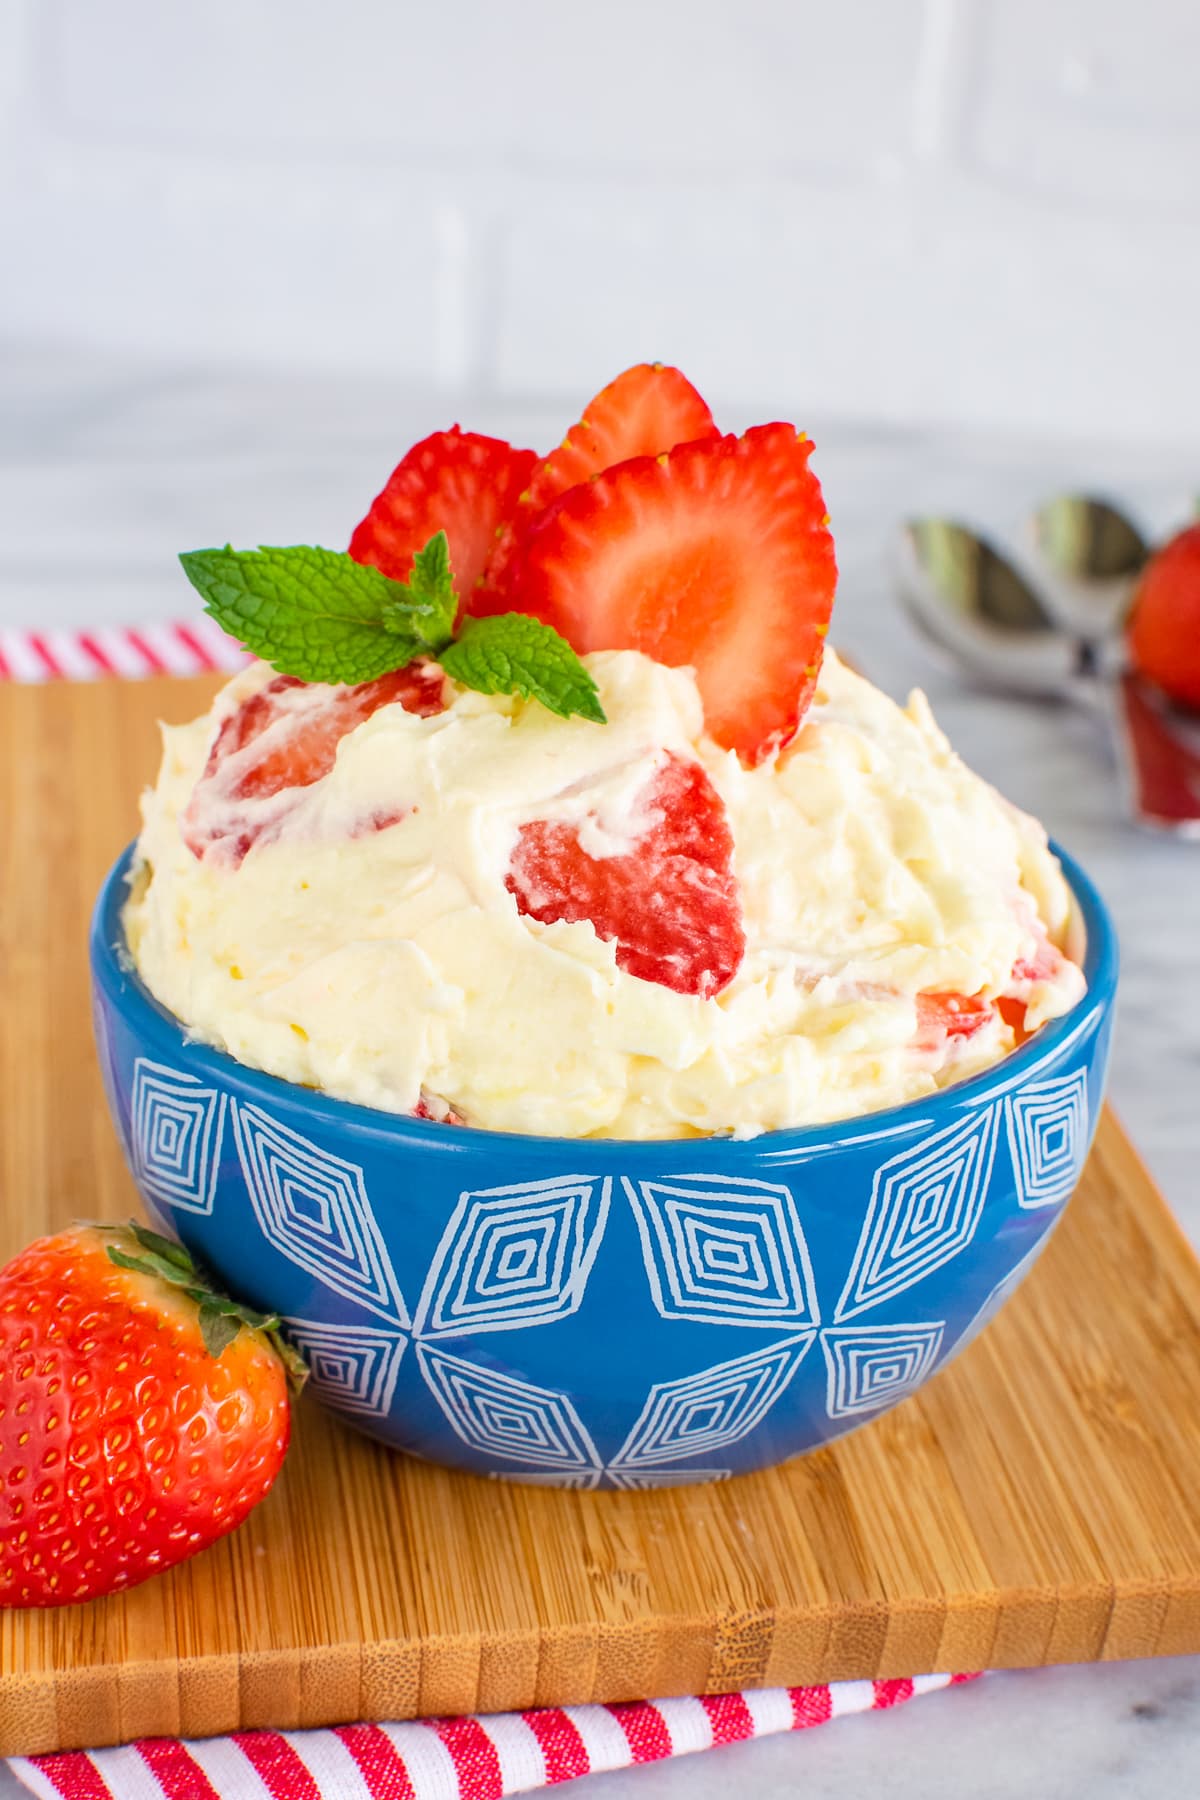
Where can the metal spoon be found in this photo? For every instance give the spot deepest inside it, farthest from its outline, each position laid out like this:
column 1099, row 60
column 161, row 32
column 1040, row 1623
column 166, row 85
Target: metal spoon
column 1059, row 639
column 972, row 604
column 1089, row 556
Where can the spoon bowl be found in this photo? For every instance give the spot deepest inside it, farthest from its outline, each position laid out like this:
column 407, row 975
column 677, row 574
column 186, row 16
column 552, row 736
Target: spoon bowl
column 1090, row 555
column 972, row 604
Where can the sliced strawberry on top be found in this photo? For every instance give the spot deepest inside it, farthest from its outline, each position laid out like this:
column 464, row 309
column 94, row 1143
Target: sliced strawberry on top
column 646, row 410
column 716, row 554
column 281, row 740
column 456, row 482
column 671, row 905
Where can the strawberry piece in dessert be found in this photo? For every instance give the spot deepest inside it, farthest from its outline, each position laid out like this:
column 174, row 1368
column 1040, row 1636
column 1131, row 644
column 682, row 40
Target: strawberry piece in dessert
column 944, row 1017
column 281, row 740
column 1015, row 1014
column 428, row 1109
column 715, row 554
column 455, row 481
column 947, row 1016
column 1045, row 963
column 671, row 904
column 646, row 410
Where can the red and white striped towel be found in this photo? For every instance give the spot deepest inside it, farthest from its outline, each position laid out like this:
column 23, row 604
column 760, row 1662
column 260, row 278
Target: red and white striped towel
column 432, row 1759
column 450, row 1759
column 74, row 653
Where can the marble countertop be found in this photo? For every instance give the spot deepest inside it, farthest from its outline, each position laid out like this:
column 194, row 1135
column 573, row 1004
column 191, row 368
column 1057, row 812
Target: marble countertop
column 109, row 467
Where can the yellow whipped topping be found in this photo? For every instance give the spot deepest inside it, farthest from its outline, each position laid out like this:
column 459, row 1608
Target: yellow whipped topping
column 872, row 866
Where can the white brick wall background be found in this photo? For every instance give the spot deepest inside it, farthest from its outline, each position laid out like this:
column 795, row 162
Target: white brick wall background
column 976, row 212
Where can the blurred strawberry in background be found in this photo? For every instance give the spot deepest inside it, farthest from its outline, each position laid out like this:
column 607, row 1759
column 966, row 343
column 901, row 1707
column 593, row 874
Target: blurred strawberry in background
column 1164, row 622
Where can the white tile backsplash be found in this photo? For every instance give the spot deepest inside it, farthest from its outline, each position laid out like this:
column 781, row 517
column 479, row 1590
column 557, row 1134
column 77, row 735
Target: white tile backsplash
column 977, row 212
column 1092, row 107
column 698, row 87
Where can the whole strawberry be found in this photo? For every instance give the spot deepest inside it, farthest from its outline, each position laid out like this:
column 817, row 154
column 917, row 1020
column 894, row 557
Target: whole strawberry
column 142, row 1415
column 1164, row 625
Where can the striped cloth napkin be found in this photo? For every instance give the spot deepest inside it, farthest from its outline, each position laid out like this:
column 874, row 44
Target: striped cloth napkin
column 450, row 1759
column 130, row 651
column 430, row 1759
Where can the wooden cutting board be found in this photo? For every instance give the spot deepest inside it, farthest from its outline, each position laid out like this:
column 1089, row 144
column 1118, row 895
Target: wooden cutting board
column 1038, row 1502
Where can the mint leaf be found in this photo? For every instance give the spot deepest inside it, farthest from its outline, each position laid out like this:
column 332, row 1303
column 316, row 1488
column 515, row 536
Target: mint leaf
column 514, row 654
column 426, row 606
column 309, row 612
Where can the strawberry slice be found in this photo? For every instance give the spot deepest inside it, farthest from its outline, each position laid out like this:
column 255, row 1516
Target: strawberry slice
column 456, row 482
column 671, row 905
column 716, row 554
column 648, row 409
column 283, row 739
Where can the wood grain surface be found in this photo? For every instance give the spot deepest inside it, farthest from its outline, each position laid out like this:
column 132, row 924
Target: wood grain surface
column 1038, row 1502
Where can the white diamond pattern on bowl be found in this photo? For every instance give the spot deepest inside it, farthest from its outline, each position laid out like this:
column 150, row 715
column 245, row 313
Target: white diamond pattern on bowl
column 176, row 1125
column 871, row 1366
column 716, row 1250
column 503, row 1417
column 724, row 1251
column 313, row 1208
column 512, row 1257
column 1047, row 1134
column 925, row 1205
column 697, row 1414
column 353, row 1367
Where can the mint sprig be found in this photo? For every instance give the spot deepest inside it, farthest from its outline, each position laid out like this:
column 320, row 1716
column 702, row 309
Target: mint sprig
column 149, row 1253
column 514, row 654
column 425, row 605
column 320, row 615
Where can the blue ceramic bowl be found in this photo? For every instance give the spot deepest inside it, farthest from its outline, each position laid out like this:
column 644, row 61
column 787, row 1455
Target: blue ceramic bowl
column 603, row 1313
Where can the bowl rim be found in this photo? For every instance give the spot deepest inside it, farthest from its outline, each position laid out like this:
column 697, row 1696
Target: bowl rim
column 114, row 972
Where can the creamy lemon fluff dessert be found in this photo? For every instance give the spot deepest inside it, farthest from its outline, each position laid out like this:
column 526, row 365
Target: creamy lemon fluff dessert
column 548, row 810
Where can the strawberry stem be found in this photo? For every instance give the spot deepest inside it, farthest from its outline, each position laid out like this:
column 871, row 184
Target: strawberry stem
column 221, row 1317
